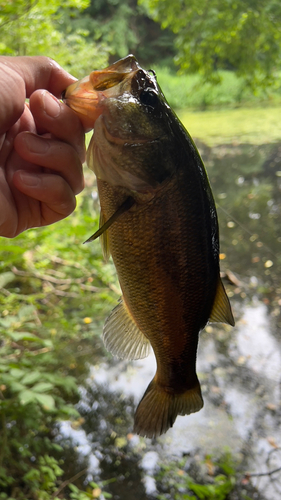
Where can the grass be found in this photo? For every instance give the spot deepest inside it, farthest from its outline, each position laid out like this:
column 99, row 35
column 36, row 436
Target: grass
column 259, row 125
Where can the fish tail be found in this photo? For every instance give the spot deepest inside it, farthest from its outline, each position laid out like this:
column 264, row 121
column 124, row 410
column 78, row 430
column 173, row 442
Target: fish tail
column 158, row 408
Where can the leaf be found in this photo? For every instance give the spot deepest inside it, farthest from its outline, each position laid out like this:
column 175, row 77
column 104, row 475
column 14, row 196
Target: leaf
column 73, row 488
column 4, row 368
column 8, row 321
column 70, row 411
column 31, row 378
column 16, row 387
column 120, row 442
column 6, row 278
column 26, row 312
column 18, row 336
column 32, row 475
column 17, row 373
column 46, row 401
column 42, row 387
column 26, row 397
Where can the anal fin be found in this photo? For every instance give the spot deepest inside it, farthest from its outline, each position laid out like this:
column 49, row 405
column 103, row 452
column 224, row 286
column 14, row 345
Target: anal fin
column 221, row 311
column 122, row 337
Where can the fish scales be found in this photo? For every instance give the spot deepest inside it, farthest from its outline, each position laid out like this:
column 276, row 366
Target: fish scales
column 177, row 275
column 160, row 227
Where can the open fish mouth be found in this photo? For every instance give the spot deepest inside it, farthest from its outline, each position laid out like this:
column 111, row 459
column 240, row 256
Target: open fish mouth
column 86, row 97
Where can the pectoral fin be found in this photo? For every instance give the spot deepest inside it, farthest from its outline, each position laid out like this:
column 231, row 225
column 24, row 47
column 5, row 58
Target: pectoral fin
column 221, row 312
column 104, row 239
column 122, row 337
column 128, row 203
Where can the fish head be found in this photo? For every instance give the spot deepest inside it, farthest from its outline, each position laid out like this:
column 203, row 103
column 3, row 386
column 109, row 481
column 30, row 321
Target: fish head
column 133, row 141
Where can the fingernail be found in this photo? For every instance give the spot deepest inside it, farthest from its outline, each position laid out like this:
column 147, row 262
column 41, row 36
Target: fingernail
column 51, row 105
column 36, row 144
column 31, row 180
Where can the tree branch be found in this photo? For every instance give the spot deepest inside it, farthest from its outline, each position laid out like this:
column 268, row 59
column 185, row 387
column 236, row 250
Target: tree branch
column 68, row 481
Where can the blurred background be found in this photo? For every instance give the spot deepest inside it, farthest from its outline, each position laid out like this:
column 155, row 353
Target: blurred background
column 66, row 406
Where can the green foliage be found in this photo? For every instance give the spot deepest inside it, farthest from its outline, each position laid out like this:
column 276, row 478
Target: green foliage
column 52, row 306
column 110, row 21
column 187, row 91
column 125, row 27
column 35, row 28
column 176, row 482
column 210, row 35
column 81, row 34
column 93, row 491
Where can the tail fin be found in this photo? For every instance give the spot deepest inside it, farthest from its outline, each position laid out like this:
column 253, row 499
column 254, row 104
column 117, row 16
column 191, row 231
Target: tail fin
column 158, row 409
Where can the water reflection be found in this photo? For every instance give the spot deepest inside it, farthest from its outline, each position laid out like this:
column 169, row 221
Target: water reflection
column 241, row 389
column 239, row 368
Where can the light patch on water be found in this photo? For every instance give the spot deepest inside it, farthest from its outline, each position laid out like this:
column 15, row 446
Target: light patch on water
column 82, row 443
column 150, row 485
column 78, row 437
column 256, row 343
column 211, row 429
column 149, row 461
column 149, row 464
column 207, row 354
column 243, row 408
column 129, row 378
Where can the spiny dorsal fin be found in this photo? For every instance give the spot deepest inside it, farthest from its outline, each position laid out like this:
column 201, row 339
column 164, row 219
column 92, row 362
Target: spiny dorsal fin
column 128, row 203
column 122, row 337
column 221, row 312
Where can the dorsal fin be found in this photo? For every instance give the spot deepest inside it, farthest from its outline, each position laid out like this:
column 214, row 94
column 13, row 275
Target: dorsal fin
column 128, row 203
column 122, row 337
column 221, row 311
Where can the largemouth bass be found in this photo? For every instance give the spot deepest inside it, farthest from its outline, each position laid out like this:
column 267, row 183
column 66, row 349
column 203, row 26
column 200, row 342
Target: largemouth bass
column 159, row 223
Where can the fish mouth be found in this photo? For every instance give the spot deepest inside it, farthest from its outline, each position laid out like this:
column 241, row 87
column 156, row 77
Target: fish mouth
column 87, row 96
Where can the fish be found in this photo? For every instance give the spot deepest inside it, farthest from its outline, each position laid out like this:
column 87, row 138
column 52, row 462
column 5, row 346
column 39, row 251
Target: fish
column 158, row 221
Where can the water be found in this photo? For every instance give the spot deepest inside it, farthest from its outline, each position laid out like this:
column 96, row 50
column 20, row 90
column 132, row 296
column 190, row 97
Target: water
column 239, row 368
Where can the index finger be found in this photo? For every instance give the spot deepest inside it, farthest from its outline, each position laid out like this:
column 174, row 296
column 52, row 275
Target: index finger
column 20, row 77
column 39, row 72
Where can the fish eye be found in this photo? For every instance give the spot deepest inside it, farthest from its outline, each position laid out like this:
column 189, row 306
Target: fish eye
column 149, row 98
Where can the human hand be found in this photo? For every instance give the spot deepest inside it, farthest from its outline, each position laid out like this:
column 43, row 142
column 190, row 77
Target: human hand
column 42, row 145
